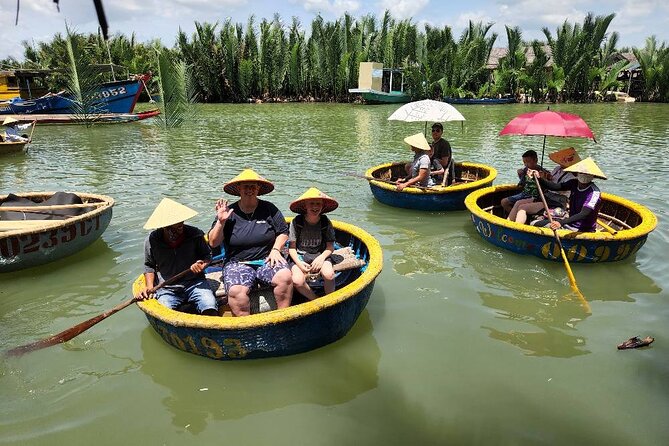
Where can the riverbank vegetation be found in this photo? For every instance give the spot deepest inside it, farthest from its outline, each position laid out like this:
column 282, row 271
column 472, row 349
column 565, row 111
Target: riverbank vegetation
column 270, row 60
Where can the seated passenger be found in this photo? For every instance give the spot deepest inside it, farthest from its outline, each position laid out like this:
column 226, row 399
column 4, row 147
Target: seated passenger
column 530, row 162
column 311, row 241
column 530, row 206
column 251, row 230
column 443, row 154
column 585, row 199
column 420, row 166
column 12, row 130
column 172, row 248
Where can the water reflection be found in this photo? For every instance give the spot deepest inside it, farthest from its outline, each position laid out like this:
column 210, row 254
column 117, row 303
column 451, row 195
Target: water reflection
column 202, row 389
column 525, row 291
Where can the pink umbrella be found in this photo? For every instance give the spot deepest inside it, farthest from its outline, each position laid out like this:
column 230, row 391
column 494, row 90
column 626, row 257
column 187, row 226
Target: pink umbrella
column 548, row 123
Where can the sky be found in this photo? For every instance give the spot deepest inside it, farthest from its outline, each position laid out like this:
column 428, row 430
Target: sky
column 39, row 20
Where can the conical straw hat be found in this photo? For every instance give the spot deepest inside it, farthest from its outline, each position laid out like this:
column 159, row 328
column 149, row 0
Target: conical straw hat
column 587, row 166
column 565, row 157
column 232, row 186
column 9, row 120
column 418, row 141
column 168, row 213
column 299, row 206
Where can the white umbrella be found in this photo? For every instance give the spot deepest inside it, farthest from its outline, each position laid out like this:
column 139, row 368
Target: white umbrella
column 426, row 110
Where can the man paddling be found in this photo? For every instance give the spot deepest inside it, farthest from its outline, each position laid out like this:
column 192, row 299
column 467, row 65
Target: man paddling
column 171, row 248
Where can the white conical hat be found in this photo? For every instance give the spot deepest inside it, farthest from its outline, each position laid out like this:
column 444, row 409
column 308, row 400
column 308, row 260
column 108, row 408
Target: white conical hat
column 168, row 213
column 9, row 120
column 418, row 141
column 587, row 166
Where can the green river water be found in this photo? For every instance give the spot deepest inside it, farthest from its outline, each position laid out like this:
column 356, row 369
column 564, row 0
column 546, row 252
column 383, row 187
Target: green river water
column 461, row 342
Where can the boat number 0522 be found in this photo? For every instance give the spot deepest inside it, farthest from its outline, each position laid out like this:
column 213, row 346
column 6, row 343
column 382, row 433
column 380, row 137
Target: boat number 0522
column 29, row 243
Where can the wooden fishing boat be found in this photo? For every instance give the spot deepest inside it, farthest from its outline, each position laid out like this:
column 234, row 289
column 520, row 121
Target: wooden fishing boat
column 111, row 97
column 102, row 118
column 469, row 177
column 12, row 147
column 623, row 227
column 299, row 328
column 33, row 240
column 479, row 101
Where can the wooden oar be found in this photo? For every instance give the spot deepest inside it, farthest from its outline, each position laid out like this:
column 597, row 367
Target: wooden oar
column 51, row 207
column 570, row 274
column 380, row 180
column 606, row 227
column 71, row 332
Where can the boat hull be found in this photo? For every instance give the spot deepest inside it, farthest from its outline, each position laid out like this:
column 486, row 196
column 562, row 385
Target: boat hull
column 113, row 97
column 288, row 331
column 439, row 199
column 380, row 97
column 11, row 147
column 33, row 247
column 580, row 247
column 480, row 101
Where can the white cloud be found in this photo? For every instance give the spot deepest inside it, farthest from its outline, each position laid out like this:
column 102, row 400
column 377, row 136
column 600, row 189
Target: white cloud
column 335, row 8
column 403, row 9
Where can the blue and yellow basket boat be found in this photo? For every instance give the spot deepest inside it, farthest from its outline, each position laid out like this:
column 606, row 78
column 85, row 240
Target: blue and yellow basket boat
column 29, row 242
column 623, row 227
column 288, row 331
column 469, row 177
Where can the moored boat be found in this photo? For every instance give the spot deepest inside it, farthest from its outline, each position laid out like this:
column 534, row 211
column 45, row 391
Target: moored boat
column 623, row 227
column 479, row 101
column 34, row 230
column 378, row 85
column 469, row 177
column 103, row 118
column 298, row 328
column 111, row 97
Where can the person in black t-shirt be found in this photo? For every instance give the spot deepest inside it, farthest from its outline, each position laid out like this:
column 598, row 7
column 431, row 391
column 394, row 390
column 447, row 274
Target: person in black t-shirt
column 251, row 230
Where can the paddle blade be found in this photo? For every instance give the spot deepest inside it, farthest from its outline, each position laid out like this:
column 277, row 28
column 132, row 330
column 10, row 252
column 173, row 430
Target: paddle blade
column 68, row 334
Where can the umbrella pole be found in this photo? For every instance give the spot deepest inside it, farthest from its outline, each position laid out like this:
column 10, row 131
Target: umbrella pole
column 543, row 149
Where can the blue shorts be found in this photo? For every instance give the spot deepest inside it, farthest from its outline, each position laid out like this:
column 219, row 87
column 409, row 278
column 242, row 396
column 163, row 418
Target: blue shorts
column 196, row 292
column 519, row 196
column 235, row 273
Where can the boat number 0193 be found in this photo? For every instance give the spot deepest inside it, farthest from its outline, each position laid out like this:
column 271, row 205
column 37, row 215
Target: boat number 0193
column 232, row 348
column 29, row 243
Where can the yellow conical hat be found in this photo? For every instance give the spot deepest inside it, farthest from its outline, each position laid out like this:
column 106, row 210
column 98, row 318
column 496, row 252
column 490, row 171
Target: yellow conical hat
column 587, row 166
column 9, row 120
column 168, row 213
column 418, row 141
column 299, row 206
column 565, row 157
column 232, row 186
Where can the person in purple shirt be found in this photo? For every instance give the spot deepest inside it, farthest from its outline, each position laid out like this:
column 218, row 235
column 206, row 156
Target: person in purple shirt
column 585, row 198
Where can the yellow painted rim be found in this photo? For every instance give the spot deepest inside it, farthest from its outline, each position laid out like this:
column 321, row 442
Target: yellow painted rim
column 180, row 319
column 436, row 190
column 648, row 219
column 108, row 204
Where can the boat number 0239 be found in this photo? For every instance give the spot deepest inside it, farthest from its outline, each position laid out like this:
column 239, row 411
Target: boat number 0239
column 29, row 243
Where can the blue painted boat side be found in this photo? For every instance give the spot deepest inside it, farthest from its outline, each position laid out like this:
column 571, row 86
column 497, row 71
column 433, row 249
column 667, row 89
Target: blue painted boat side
column 287, row 338
column 37, row 248
column 454, row 201
column 112, row 97
column 580, row 247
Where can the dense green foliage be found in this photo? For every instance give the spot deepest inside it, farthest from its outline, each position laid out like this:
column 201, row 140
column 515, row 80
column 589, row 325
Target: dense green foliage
column 271, row 60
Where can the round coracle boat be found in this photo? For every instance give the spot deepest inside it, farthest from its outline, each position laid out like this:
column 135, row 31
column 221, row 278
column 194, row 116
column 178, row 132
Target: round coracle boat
column 40, row 227
column 468, row 177
column 298, row 328
column 622, row 229
column 12, row 146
